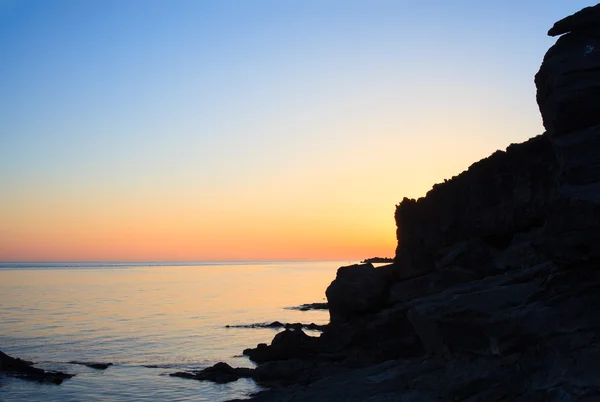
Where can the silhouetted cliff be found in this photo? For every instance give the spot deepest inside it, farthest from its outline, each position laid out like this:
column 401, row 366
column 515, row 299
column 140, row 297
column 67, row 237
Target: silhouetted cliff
column 509, row 192
column 494, row 291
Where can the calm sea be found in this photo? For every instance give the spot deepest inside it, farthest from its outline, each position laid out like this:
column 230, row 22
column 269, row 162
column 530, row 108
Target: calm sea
column 148, row 319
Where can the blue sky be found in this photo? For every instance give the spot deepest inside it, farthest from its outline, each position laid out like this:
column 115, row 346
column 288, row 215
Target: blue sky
column 244, row 113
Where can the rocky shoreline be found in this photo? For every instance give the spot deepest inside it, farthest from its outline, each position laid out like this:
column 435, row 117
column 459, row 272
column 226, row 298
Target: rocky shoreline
column 494, row 291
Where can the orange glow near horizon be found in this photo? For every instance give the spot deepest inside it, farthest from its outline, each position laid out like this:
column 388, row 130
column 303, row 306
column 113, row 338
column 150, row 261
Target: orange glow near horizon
column 344, row 211
column 115, row 231
column 282, row 134
column 143, row 243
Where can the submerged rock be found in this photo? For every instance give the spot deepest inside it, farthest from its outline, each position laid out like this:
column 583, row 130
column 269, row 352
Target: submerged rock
column 94, row 365
column 23, row 369
column 357, row 289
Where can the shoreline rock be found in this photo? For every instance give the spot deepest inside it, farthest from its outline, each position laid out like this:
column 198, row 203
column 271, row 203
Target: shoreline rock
column 18, row 368
column 94, row 365
column 378, row 260
column 220, row 373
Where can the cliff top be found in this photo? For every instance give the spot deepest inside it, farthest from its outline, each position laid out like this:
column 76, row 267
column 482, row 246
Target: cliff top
column 583, row 20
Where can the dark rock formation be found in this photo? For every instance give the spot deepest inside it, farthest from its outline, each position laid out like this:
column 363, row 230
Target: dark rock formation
column 277, row 324
column 568, row 94
column 23, row 369
column 530, row 333
column 220, row 373
column 585, row 20
column 568, row 89
column 493, row 295
column 274, row 324
column 357, row 289
column 484, row 207
column 94, row 365
column 288, row 344
column 568, row 83
column 284, row 372
column 378, row 260
column 310, row 306
column 275, row 373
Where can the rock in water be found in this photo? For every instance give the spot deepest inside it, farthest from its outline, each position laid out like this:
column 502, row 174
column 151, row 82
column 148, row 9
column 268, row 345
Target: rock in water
column 22, row 369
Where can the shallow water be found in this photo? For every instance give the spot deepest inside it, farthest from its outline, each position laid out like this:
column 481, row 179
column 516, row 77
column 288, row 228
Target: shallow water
column 171, row 317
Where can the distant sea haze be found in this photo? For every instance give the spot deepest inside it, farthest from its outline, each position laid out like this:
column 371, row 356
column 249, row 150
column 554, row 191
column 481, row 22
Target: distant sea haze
column 137, row 264
column 148, row 319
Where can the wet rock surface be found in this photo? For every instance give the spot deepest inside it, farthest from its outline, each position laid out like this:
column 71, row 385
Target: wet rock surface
column 94, row 365
column 494, row 291
column 22, row 369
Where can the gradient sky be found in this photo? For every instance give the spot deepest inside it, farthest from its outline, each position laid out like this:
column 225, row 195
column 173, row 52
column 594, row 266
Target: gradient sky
column 204, row 130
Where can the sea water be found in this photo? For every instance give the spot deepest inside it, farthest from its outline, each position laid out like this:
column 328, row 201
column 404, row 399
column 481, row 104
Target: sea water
column 149, row 320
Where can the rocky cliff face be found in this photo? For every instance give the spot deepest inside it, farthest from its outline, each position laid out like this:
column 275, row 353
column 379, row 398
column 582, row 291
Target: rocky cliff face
column 493, row 294
column 568, row 94
column 507, row 193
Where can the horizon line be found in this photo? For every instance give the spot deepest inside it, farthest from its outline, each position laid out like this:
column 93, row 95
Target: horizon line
column 163, row 261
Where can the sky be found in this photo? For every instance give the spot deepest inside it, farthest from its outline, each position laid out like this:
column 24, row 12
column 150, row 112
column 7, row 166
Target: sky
column 144, row 130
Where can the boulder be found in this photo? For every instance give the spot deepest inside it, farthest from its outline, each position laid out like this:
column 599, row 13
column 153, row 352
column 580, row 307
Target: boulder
column 220, row 373
column 94, row 365
column 287, row 344
column 568, row 82
column 358, row 289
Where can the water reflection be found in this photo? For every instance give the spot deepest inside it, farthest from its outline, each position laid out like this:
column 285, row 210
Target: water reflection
column 149, row 315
